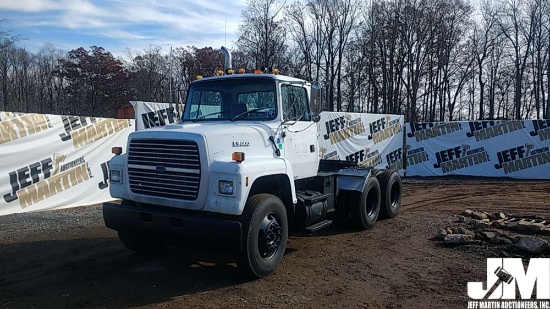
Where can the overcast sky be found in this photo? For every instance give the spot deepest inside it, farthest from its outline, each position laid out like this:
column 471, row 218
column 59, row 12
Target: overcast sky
column 119, row 24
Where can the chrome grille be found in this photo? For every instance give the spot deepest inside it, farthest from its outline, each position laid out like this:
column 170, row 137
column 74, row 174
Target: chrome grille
column 164, row 168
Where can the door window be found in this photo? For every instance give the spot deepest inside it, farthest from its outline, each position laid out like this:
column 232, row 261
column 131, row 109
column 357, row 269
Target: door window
column 295, row 103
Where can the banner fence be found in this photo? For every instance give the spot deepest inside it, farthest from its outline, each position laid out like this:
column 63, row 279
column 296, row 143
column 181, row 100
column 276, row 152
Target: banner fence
column 52, row 161
column 506, row 148
column 154, row 114
column 369, row 139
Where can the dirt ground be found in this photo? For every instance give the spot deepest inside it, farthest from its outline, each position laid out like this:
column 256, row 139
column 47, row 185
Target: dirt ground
column 68, row 259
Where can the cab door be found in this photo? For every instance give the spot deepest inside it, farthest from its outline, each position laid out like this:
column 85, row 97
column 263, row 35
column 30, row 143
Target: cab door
column 300, row 140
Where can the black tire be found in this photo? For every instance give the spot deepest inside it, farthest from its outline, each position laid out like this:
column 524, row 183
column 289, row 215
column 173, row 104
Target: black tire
column 366, row 205
column 140, row 243
column 391, row 190
column 265, row 235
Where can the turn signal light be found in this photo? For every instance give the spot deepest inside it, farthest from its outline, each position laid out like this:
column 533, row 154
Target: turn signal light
column 240, row 70
column 237, row 156
column 116, row 150
column 219, row 72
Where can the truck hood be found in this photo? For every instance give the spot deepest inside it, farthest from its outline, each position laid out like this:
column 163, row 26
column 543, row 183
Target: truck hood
column 221, row 138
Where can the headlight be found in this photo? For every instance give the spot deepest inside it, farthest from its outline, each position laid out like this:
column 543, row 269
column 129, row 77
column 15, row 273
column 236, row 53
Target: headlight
column 115, row 176
column 226, row 187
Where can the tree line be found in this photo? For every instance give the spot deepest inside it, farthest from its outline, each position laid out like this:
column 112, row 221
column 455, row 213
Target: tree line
column 430, row 60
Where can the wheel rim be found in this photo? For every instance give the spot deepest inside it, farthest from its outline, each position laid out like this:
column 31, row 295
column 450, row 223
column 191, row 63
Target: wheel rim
column 269, row 237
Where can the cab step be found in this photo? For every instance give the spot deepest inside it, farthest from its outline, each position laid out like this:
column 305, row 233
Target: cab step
column 317, row 226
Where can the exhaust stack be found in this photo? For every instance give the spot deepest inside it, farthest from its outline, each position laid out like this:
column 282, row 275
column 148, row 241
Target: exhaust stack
column 227, row 54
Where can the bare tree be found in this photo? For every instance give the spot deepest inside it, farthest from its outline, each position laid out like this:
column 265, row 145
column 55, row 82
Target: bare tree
column 517, row 25
column 262, row 34
column 301, row 35
column 21, row 87
column 49, row 87
column 483, row 40
column 539, row 57
column 306, row 24
column 149, row 74
column 417, row 32
column 455, row 65
column 7, row 46
column 384, row 50
column 346, row 22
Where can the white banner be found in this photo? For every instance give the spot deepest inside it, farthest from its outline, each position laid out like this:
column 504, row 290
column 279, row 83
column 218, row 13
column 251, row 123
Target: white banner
column 506, row 148
column 153, row 114
column 51, row 161
column 370, row 139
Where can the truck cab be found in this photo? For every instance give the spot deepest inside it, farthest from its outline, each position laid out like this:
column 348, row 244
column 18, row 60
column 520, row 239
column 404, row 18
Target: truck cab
column 239, row 170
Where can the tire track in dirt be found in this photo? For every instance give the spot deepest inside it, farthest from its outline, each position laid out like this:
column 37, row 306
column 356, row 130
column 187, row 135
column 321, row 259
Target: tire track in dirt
column 422, row 205
column 494, row 196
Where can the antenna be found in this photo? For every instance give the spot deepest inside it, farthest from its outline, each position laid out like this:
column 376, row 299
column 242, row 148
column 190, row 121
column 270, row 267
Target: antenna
column 225, row 25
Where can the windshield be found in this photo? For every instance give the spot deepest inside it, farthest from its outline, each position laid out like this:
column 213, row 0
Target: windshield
column 231, row 99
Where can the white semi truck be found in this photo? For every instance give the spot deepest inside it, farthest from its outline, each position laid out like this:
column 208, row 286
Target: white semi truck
column 241, row 169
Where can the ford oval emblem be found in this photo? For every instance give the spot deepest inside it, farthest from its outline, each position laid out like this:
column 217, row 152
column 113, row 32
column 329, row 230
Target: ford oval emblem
column 160, row 169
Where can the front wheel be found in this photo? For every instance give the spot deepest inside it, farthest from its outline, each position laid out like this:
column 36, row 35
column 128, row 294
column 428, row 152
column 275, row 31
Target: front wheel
column 265, row 235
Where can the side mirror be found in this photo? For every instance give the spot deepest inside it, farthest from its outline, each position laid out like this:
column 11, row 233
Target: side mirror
column 315, row 99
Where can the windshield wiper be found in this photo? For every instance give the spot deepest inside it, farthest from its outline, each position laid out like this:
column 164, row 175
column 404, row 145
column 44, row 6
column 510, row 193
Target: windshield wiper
column 211, row 114
column 249, row 111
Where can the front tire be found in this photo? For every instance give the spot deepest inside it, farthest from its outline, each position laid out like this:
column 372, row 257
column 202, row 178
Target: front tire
column 265, row 235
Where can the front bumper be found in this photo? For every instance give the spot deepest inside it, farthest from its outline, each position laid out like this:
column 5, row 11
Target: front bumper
column 173, row 226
